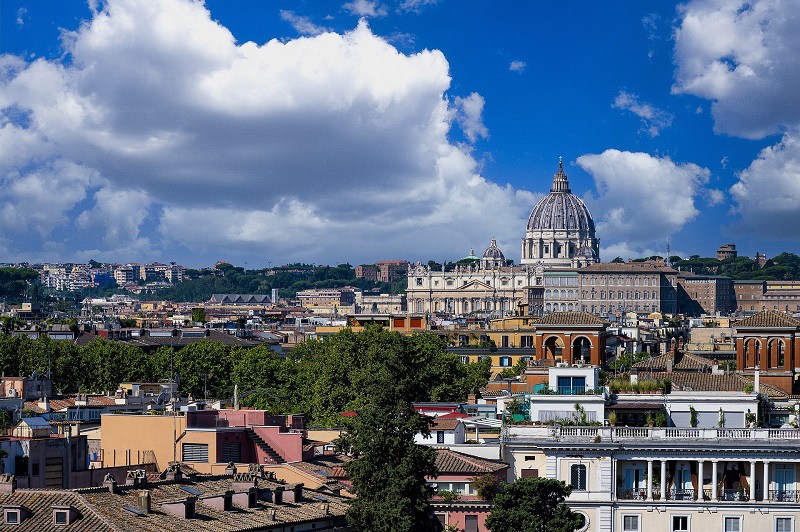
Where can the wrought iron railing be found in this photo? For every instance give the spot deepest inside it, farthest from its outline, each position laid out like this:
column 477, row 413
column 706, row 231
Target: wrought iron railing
column 735, row 495
column 784, row 495
column 681, row 494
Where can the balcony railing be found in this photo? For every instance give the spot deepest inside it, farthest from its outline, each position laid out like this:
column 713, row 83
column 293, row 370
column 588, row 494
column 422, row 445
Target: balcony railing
column 681, row 494
column 735, row 495
column 784, row 495
column 569, row 390
column 572, row 433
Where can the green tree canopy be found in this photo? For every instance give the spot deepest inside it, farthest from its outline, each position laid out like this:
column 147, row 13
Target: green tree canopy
column 389, row 469
column 533, row 505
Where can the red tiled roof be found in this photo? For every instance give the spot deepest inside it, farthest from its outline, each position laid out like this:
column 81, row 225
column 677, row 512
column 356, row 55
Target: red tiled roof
column 768, row 318
column 445, row 424
column 454, row 415
column 451, row 462
column 570, row 318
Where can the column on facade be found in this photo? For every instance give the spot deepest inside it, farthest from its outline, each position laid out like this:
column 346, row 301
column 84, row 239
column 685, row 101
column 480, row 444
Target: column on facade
column 752, row 480
column 766, row 481
column 714, row 480
column 649, row 480
column 663, row 479
column 699, row 494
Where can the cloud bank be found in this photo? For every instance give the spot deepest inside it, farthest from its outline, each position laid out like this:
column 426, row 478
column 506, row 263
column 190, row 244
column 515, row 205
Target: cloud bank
column 160, row 137
column 743, row 58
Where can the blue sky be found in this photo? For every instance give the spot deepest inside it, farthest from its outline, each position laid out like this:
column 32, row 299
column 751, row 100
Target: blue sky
column 324, row 132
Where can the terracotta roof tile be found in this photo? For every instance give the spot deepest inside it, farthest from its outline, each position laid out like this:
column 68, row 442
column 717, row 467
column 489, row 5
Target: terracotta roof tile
column 682, row 362
column 570, row 318
column 445, row 424
column 768, row 318
column 101, row 510
column 451, row 462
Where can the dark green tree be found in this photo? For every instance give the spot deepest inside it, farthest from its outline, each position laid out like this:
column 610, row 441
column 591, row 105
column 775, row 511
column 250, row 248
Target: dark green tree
column 389, row 470
column 533, row 505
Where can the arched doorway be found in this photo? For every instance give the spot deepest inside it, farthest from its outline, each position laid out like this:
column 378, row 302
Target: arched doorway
column 581, row 350
column 553, row 348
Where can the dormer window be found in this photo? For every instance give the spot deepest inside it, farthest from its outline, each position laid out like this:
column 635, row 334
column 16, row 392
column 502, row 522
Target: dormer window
column 64, row 515
column 12, row 517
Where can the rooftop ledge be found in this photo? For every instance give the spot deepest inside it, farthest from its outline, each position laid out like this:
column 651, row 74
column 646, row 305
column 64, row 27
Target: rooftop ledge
column 643, row 434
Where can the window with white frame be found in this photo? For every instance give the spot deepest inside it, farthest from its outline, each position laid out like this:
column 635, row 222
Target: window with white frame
column 679, row 523
column 784, row 524
column 578, row 477
column 631, row 523
column 732, row 523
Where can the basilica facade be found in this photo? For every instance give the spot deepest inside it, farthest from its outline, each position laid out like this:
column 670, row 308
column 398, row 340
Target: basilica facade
column 559, row 236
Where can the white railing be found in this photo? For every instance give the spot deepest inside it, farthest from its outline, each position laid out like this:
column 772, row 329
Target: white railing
column 559, row 433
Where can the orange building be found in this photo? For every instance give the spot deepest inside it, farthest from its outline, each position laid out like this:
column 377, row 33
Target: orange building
column 570, row 338
column 769, row 341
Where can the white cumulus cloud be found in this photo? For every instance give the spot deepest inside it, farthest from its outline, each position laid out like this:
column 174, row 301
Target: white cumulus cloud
column 469, row 115
column 302, row 24
column 642, row 199
column 162, row 138
column 761, row 211
column 653, row 119
column 517, row 66
column 742, row 57
column 365, row 8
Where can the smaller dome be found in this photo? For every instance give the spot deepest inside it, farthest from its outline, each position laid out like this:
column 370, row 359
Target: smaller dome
column 493, row 252
column 471, row 255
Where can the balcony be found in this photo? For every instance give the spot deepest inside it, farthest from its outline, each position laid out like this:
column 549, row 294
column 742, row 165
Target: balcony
column 568, row 390
column 650, row 434
column 784, row 495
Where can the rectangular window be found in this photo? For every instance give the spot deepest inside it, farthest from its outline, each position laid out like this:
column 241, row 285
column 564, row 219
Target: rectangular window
column 439, row 436
column 680, row 523
column 231, row 452
column 578, row 477
column 12, row 517
column 61, row 518
column 784, row 524
column 470, row 523
column 505, row 362
column 732, row 524
column 530, row 473
column 195, row 452
column 630, row 523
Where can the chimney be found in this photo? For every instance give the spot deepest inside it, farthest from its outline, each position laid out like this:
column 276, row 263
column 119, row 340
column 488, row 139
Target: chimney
column 136, row 478
column 472, row 398
column 8, row 483
column 144, row 501
column 173, row 473
column 277, row 495
column 230, row 469
column 670, row 361
column 757, row 385
column 110, row 483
